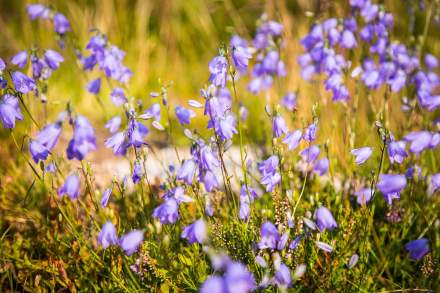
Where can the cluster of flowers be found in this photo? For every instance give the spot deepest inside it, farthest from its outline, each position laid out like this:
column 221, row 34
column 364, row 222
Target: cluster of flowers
column 42, row 67
column 129, row 242
column 60, row 22
column 109, row 60
column 268, row 64
column 389, row 63
column 325, row 45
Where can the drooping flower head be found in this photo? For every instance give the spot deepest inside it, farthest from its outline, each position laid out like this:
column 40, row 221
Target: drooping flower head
column 108, row 235
column 282, row 277
column 37, row 11
column 363, row 195
column 53, row 59
column 45, row 141
column 396, row 151
column 118, row 96
column 196, row 232
column 70, row 187
column 420, row 141
column 131, row 241
column 105, row 197
column 289, row 101
column 167, row 212
column 61, row 23
column 321, row 166
column 310, row 154
column 418, row 248
column 324, row 219
column 20, row 59
column 187, row 171
column 10, row 111
column 362, row 154
column 310, row 133
column 218, row 67
column 271, row 238
column 83, row 140
column 391, row 185
column 240, row 53
column 269, row 173
column 279, row 126
column 236, row 279
column 22, row 82
column 38, row 151
column 118, row 143
column 94, row 86
column 184, row 115
column 113, row 124
column 137, row 172
column 293, row 139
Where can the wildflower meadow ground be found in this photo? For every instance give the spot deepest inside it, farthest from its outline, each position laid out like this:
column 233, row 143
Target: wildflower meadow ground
column 286, row 164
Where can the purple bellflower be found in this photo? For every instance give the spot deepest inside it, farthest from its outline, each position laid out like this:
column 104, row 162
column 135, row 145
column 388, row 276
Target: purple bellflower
column 271, row 238
column 118, row 96
column 9, row 111
column 310, row 154
column 108, row 235
column 362, row 154
column 187, row 171
column 396, row 151
column 37, row 11
column 218, row 67
column 167, row 212
column 53, row 59
column 113, row 124
column 70, row 187
column 363, row 195
column 131, row 241
column 61, row 23
column 279, row 126
column 23, row 83
column 321, row 166
column 289, row 101
column 105, row 197
column 83, row 140
column 324, row 219
column 310, row 133
column 137, row 173
column 94, row 86
column 391, row 185
column 152, row 112
column 20, row 59
column 237, row 279
column 240, row 53
column 184, row 115
column 420, row 141
column 282, row 277
column 293, row 139
column 270, row 176
column 196, row 232
column 418, row 248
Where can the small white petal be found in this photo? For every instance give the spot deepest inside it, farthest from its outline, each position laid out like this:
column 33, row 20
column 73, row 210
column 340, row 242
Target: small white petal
column 157, row 125
column 324, row 246
column 299, row 271
column 145, row 116
column 195, row 104
column 309, row 223
column 353, row 260
column 188, row 133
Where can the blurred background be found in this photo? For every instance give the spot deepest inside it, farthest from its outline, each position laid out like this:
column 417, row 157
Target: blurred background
column 174, row 41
